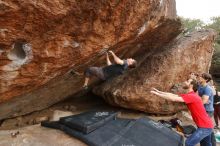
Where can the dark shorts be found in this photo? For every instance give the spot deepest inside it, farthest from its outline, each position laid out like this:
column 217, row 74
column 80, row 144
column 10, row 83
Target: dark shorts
column 95, row 71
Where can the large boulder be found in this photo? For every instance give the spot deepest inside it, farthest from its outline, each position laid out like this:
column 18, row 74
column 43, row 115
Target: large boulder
column 165, row 67
column 41, row 41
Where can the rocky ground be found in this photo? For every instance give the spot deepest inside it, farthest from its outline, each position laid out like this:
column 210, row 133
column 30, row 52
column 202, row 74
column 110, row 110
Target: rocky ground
column 30, row 133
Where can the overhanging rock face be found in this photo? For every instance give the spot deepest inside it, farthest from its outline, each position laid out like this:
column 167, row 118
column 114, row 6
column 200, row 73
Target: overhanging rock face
column 162, row 69
column 41, row 41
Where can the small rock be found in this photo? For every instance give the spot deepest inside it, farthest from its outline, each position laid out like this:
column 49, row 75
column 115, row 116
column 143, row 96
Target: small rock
column 72, row 108
column 14, row 134
column 58, row 114
column 40, row 119
column 66, row 107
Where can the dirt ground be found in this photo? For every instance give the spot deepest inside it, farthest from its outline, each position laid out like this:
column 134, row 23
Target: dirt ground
column 23, row 124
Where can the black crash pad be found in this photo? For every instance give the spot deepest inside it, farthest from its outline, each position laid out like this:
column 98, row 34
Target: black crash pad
column 117, row 132
column 89, row 121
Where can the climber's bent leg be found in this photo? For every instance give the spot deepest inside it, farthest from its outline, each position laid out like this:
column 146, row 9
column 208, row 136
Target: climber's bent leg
column 93, row 71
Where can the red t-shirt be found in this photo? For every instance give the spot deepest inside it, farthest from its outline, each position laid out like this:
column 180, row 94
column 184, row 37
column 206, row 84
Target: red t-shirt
column 196, row 107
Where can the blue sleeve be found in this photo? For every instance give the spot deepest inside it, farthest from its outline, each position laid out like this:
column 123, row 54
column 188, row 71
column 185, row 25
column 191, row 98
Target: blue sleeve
column 208, row 92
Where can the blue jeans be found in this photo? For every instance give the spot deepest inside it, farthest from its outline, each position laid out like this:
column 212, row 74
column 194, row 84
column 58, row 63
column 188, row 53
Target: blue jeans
column 211, row 113
column 202, row 135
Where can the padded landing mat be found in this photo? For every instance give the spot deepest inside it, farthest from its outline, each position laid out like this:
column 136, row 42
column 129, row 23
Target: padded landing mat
column 119, row 132
column 89, row 121
column 146, row 132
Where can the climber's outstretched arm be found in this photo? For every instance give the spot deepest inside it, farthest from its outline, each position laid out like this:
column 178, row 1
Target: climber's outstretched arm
column 167, row 95
column 107, row 59
column 116, row 58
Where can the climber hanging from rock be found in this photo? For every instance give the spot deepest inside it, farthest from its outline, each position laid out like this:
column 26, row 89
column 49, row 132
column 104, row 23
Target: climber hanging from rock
column 109, row 71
